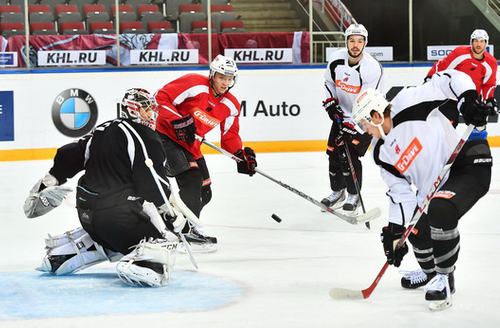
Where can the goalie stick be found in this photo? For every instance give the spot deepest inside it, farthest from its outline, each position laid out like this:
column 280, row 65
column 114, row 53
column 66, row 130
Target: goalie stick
column 368, row 216
column 342, row 293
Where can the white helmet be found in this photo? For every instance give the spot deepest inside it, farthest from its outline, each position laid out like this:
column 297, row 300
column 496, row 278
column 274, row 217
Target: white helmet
column 356, row 29
column 225, row 66
column 133, row 101
column 368, row 101
column 479, row 34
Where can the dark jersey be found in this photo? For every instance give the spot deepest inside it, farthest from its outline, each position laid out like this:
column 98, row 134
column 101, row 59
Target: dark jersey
column 117, row 153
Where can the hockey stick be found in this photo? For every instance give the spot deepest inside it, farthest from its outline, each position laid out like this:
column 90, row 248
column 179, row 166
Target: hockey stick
column 371, row 215
column 353, row 174
column 342, row 293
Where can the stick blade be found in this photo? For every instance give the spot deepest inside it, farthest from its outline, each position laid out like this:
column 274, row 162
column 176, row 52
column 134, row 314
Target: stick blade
column 370, row 215
column 343, row 294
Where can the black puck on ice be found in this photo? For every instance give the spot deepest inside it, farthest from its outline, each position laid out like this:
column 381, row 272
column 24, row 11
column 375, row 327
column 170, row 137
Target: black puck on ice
column 276, row 218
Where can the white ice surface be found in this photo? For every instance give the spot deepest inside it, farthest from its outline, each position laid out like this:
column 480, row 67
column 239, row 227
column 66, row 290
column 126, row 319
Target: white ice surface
column 285, row 269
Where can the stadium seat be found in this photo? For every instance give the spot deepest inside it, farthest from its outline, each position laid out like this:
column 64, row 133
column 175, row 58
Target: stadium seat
column 132, row 27
column 68, row 13
column 108, row 4
column 80, row 4
column 148, row 17
column 7, row 9
column 40, row 14
column 12, row 17
column 136, row 3
column 8, row 29
column 95, row 13
column 46, row 28
column 20, row 3
column 127, row 14
column 172, row 8
column 65, row 9
column 144, row 9
column 189, row 14
column 70, row 28
column 52, row 4
column 102, row 28
column 222, row 13
column 202, row 27
column 232, row 27
column 204, row 3
column 160, row 27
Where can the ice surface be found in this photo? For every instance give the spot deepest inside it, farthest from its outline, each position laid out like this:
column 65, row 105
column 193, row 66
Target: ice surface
column 265, row 274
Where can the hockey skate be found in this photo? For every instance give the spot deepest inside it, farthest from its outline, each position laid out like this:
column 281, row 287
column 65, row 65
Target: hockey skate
column 199, row 241
column 351, row 203
column 439, row 291
column 334, row 200
column 415, row 279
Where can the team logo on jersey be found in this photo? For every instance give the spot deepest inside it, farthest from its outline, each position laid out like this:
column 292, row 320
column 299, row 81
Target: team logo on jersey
column 74, row 112
column 347, row 88
column 397, row 150
column 408, row 156
column 204, row 117
column 446, row 194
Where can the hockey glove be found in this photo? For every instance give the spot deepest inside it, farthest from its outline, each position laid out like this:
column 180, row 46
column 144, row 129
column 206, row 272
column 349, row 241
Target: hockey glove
column 331, row 105
column 492, row 102
column 44, row 197
column 474, row 111
column 185, row 129
column 248, row 163
column 345, row 134
column 390, row 236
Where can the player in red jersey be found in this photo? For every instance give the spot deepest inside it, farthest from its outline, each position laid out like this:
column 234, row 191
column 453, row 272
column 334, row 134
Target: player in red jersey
column 195, row 104
column 476, row 62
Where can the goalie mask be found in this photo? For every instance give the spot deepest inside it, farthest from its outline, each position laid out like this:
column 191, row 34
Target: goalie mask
column 225, row 66
column 368, row 101
column 138, row 105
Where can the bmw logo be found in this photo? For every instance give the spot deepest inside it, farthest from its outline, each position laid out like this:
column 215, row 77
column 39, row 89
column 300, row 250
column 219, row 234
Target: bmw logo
column 74, row 112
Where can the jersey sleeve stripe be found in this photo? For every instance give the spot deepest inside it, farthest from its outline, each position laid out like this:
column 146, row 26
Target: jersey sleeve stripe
column 130, row 144
column 191, row 92
column 154, row 174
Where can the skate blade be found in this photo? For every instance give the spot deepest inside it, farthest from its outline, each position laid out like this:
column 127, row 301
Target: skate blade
column 197, row 248
column 440, row 305
column 334, row 207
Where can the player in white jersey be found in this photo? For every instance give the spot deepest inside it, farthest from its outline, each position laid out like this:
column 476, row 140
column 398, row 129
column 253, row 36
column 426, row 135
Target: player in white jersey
column 349, row 72
column 412, row 141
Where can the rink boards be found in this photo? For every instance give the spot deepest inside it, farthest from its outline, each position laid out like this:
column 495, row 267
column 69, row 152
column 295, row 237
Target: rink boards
column 281, row 106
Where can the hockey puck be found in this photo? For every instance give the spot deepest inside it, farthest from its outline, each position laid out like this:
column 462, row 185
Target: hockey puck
column 276, row 218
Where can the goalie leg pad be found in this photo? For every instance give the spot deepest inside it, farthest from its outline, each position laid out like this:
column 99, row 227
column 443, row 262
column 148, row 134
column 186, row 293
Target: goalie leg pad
column 150, row 264
column 73, row 251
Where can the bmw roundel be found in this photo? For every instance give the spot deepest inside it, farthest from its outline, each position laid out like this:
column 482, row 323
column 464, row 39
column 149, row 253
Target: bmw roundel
column 74, row 112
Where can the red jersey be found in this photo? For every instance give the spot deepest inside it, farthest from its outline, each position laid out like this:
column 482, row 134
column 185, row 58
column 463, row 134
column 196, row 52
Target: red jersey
column 482, row 72
column 191, row 95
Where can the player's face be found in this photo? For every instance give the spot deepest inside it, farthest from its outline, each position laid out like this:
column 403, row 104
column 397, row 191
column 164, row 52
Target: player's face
column 149, row 113
column 221, row 83
column 355, row 45
column 478, row 46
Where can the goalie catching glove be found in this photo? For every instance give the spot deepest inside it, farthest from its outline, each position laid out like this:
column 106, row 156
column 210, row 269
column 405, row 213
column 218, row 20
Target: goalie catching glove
column 248, row 163
column 45, row 195
column 390, row 237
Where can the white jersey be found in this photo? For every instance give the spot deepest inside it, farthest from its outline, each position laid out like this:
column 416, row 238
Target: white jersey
column 345, row 82
column 420, row 142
